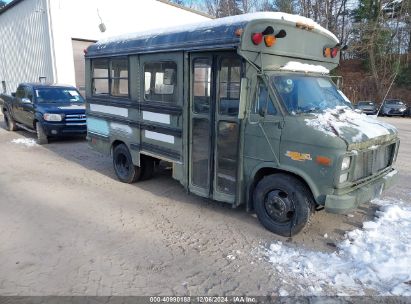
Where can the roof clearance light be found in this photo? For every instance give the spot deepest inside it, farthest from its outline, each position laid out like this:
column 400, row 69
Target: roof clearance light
column 331, row 52
column 269, row 40
column 334, row 52
column 239, row 32
column 268, row 35
column 257, row 38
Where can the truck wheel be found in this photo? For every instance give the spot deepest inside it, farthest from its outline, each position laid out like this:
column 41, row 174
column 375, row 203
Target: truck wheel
column 10, row 122
column 123, row 165
column 283, row 204
column 41, row 136
column 147, row 167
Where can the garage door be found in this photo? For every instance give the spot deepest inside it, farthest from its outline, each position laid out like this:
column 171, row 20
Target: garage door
column 79, row 45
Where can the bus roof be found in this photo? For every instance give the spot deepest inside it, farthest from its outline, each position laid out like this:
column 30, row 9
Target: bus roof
column 213, row 34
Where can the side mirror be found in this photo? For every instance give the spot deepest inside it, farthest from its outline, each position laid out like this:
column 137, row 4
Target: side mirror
column 25, row 100
column 13, row 94
column 243, row 98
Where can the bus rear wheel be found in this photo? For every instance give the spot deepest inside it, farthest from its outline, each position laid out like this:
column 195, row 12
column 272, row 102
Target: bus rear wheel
column 283, row 204
column 123, row 165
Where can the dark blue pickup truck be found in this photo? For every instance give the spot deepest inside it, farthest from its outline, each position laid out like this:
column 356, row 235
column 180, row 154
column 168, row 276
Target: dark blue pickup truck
column 48, row 110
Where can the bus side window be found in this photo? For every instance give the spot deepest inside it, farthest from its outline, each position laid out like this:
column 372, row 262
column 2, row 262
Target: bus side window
column 100, row 77
column 230, row 80
column 160, row 79
column 119, row 77
column 263, row 102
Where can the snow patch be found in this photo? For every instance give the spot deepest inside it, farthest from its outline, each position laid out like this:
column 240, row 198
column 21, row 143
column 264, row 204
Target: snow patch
column 377, row 257
column 216, row 22
column 28, row 142
column 304, row 67
column 391, row 174
column 333, row 121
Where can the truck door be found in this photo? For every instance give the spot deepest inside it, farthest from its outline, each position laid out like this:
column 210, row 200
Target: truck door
column 18, row 104
column 214, row 125
column 27, row 107
column 264, row 127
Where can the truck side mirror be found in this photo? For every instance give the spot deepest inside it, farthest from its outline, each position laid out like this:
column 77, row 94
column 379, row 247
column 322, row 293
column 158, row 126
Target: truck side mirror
column 25, row 100
column 243, row 98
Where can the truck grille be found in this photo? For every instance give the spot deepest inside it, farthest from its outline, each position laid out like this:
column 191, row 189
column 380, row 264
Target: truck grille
column 371, row 162
column 75, row 120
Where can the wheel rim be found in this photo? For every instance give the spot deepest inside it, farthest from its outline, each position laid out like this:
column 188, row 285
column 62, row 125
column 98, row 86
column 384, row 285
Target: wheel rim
column 122, row 165
column 279, row 206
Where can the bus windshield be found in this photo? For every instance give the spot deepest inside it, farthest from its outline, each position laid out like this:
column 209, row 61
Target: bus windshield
column 307, row 94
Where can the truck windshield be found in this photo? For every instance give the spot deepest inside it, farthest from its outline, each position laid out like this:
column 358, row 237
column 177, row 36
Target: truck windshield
column 305, row 94
column 58, row 95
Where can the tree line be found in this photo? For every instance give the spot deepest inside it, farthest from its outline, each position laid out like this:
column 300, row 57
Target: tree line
column 377, row 32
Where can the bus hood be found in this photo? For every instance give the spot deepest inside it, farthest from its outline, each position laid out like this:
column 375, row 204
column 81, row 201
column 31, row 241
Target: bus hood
column 357, row 130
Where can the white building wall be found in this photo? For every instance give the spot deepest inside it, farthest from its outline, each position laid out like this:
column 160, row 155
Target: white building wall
column 79, row 19
column 25, row 52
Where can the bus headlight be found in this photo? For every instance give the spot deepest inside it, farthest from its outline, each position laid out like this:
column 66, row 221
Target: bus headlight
column 53, row 117
column 343, row 177
column 346, row 163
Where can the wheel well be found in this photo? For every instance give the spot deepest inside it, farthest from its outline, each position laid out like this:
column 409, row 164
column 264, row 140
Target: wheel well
column 264, row 172
column 119, row 142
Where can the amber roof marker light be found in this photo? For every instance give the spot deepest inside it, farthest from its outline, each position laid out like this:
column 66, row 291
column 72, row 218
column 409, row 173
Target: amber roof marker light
column 268, row 36
column 239, row 32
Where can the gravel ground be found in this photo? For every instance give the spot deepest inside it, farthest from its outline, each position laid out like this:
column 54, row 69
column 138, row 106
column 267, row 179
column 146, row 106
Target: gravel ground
column 68, row 227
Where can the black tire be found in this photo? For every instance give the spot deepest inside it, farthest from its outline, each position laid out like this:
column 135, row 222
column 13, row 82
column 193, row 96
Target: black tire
column 283, row 204
column 10, row 122
column 41, row 135
column 123, row 165
column 147, row 167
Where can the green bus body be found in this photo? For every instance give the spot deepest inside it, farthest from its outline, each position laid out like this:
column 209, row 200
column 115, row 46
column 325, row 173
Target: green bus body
column 210, row 107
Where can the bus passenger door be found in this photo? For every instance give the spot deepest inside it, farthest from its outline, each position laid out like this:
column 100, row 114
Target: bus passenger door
column 226, row 127
column 201, row 126
column 214, row 125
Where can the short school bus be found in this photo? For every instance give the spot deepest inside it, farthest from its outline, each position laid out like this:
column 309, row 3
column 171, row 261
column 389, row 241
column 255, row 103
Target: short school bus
column 244, row 109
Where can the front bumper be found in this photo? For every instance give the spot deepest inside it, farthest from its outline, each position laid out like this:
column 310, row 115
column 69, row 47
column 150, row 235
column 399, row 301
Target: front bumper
column 369, row 112
column 394, row 112
column 61, row 129
column 367, row 192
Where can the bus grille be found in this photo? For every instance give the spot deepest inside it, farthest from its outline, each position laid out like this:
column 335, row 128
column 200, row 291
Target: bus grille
column 371, row 162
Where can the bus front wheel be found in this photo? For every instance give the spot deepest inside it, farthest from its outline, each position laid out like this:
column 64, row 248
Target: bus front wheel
column 283, row 204
column 123, row 165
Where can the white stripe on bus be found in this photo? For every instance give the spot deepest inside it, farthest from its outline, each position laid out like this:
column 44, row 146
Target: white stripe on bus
column 156, row 117
column 159, row 137
column 109, row 110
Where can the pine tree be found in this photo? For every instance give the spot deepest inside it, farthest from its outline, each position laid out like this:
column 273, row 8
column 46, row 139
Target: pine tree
column 228, row 8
